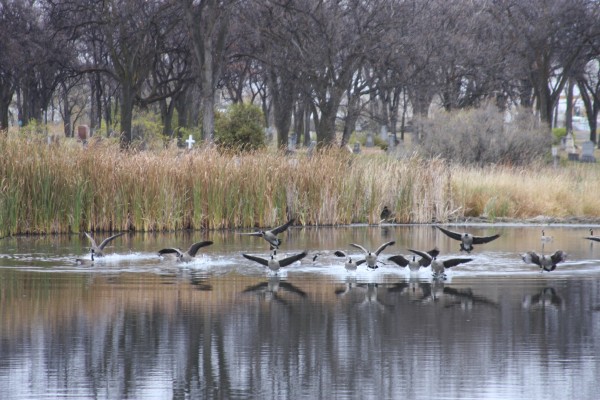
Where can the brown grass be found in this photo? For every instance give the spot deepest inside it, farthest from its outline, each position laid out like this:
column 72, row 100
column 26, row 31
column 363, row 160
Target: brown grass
column 66, row 188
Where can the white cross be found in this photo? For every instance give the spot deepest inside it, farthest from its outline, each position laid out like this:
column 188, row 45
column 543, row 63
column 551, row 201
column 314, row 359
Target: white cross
column 190, row 141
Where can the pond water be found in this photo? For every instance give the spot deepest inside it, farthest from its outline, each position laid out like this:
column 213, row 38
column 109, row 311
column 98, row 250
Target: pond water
column 138, row 326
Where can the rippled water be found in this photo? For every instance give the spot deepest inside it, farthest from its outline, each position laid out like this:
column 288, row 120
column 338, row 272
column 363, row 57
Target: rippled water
column 137, row 326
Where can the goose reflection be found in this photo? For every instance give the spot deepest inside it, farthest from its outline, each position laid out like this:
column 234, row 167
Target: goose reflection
column 362, row 295
column 547, row 298
column 272, row 289
column 465, row 299
column 415, row 289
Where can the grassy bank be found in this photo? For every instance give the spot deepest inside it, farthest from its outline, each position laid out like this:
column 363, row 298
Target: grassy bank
column 65, row 188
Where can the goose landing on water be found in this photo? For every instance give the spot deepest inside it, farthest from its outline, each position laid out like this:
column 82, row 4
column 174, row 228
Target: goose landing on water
column 371, row 257
column 350, row 264
column 592, row 237
column 413, row 264
column 545, row 262
column 274, row 263
column 439, row 267
column 185, row 256
column 98, row 249
column 467, row 240
column 271, row 235
column 85, row 261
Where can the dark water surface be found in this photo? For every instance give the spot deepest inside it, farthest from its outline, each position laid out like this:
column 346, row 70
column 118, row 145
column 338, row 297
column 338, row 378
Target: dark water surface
column 136, row 326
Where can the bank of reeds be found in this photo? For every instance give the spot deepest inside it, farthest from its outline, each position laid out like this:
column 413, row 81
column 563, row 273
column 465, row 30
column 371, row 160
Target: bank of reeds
column 67, row 188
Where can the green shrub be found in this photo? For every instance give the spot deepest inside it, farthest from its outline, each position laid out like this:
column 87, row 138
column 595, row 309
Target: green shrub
column 240, row 128
column 558, row 134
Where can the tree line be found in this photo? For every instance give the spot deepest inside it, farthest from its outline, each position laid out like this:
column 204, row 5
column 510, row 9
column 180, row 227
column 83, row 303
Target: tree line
column 323, row 63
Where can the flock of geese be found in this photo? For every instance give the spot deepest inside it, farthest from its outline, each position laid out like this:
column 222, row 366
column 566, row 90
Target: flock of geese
column 546, row 262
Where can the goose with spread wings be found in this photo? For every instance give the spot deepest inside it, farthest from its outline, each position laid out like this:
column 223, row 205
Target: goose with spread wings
column 188, row 255
column 371, row 257
column 545, row 262
column 274, row 263
column 438, row 266
column 350, row 264
column 271, row 235
column 99, row 249
column 467, row 240
column 413, row 264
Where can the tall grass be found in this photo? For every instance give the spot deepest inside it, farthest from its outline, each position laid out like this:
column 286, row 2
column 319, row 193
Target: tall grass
column 66, row 188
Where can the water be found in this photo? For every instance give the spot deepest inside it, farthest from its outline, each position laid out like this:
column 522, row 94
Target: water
column 137, row 326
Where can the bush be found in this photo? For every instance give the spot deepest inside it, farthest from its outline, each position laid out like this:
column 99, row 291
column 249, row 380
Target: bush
column 558, row 134
column 482, row 136
column 240, row 128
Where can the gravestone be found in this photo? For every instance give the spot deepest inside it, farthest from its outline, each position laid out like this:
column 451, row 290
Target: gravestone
column 292, row 142
column 311, row 148
column 391, row 140
column 190, row 141
column 587, row 152
column 356, row 149
column 570, row 147
column 370, row 142
column 383, row 132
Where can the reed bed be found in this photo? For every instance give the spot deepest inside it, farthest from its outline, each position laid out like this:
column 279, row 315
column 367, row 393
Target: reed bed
column 66, row 188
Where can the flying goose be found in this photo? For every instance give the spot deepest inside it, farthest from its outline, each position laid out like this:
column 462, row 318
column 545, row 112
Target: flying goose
column 467, row 240
column 98, row 250
column 439, row 267
column 271, row 235
column 413, row 264
column 188, row 255
column 545, row 262
column 370, row 257
column 592, row 237
column 86, row 261
column 350, row 264
column 275, row 264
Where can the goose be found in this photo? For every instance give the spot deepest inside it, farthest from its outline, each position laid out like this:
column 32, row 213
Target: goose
column 592, row 237
column 385, row 214
column 439, row 267
column 350, row 264
column 271, row 235
column 370, row 257
column 413, row 264
column 98, row 249
column 545, row 238
column 85, row 261
column 545, row 262
column 467, row 240
column 185, row 256
column 275, row 264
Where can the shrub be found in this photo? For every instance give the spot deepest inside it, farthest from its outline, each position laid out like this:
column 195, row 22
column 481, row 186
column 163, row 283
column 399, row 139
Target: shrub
column 558, row 134
column 482, row 136
column 240, row 128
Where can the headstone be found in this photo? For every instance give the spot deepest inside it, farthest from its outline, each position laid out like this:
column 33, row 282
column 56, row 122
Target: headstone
column 587, row 152
column 292, row 142
column 391, row 140
column 190, row 141
column 356, row 149
column 370, row 142
column 383, row 132
column 570, row 148
column 83, row 132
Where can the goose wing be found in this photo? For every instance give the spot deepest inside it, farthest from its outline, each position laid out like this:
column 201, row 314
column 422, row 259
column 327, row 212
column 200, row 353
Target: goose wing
column 531, row 257
column 399, row 259
column 452, row 234
column 424, row 255
column 455, row 261
column 358, row 246
column 361, row 262
column 171, row 250
column 257, row 259
column 194, row 248
column 257, row 233
column 292, row 289
column 289, row 260
column 258, row 286
column 383, row 246
column 484, row 239
column 108, row 239
column 339, row 253
column 281, row 228
column 558, row 256
column 92, row 241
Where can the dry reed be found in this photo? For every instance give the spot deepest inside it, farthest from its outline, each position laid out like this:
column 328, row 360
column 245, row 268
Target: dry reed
column 67, row 188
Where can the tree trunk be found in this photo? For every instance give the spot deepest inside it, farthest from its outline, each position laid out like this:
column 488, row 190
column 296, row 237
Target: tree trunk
column 67, row 128
column 127, row 97
column 6, row 94
column 569, row 110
